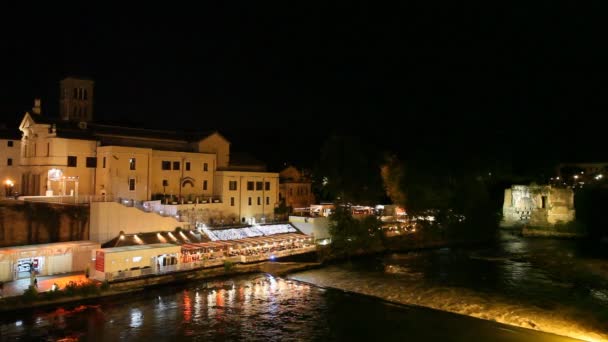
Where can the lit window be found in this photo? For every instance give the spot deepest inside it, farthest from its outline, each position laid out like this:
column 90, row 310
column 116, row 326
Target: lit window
column 136, row 259
column 132, row 164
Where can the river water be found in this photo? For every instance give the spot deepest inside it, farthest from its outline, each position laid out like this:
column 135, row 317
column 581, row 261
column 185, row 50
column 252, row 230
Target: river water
column 514, row 281
column 557, row 286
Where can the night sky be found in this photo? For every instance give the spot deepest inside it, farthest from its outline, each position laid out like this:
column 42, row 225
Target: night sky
column 521, row 84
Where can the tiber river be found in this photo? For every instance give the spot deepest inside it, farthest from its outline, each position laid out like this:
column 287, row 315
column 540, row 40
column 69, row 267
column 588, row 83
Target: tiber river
column 521, row 288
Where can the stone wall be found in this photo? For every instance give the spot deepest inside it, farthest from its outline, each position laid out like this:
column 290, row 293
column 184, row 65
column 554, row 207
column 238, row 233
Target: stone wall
column 25, row 223
column 537, row 205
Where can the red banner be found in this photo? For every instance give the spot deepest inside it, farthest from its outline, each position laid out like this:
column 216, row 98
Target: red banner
column 100, row 261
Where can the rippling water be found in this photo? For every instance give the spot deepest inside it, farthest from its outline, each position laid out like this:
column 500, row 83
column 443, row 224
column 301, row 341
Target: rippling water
column 548, row 285
column 254, row 308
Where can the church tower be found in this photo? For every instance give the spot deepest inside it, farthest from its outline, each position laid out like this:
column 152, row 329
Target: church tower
column 76, row 99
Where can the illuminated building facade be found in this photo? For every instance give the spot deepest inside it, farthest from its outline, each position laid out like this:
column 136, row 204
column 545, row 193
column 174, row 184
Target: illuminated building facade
column 74, row 156
column 10, row 171
column 295, row 188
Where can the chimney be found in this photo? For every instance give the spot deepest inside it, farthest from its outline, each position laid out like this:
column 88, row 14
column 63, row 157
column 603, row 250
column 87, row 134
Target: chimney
column 36, row 108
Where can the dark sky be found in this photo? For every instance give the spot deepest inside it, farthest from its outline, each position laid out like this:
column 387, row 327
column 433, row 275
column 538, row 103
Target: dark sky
column 523, row 84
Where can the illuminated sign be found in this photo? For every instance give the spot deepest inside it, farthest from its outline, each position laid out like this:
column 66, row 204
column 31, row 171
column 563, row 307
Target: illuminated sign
column 100, row 261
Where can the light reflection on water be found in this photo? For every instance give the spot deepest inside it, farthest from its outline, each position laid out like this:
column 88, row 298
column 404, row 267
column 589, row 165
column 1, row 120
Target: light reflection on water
column 538, row 284
column 254, row 308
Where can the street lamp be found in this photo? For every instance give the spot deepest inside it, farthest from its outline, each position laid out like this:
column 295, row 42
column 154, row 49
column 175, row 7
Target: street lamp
column 8, row 187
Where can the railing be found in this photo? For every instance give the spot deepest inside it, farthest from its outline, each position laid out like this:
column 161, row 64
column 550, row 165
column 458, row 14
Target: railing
column 80, row 199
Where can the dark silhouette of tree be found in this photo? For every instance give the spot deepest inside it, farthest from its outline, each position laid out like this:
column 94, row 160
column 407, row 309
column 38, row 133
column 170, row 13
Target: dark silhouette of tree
column 348, row 171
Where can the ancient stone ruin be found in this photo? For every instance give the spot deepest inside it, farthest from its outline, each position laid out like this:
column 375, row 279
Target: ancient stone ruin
column 537, row 205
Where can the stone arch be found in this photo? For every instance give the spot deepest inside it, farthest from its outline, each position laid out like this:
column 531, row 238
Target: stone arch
column 186, row 181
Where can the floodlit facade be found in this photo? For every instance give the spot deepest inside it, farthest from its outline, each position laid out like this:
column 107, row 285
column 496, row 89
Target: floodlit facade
column 295, row 188
column 74, row 156
column 537, row 205
column 10, row 170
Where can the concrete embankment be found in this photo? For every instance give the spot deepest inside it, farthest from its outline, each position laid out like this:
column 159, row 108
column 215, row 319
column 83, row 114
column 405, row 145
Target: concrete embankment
column 125, row 287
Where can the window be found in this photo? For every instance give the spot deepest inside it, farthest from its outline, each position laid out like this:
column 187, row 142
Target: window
column 187, row 166
column 131, row 184
column 175, row 165
column 166, row 165
column 267, row 186
column 10, row 143
column 204, row 185
column 232, row 185
column 9, row 162
column 85, row 94
column 259, row 185
column 205, row 167
column 165, row 182
column 259, row 200
column 267, row 200
column 249, row 185
column 104, row 162
column 72, row 161
column 232, row 201
column 249, row 201
column 137, row 258
column 131, row 163
column 48, row 149
column 91, row 162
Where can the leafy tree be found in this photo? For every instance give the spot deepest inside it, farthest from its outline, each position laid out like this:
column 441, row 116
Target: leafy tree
column 392, row 172
column 350, row 235
column 348, row 171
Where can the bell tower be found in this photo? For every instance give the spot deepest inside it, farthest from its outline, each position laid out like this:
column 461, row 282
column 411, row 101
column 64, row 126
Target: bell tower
column 76, row 99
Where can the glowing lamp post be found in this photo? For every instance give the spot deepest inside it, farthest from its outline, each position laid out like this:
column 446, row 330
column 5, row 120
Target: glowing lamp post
column 8, row 187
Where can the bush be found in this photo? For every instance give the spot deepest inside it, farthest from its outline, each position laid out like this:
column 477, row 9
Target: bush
column 105, row 285
column 228, row 265
column 30, row 294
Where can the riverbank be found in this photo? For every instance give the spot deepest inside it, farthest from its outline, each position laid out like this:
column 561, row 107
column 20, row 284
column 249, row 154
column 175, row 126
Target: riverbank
column 130, row 286
column 400, row 244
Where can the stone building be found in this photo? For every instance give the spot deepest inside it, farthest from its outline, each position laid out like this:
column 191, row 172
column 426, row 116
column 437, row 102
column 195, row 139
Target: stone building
column 537, row 205
column 10, row 171
column 75, row 156
column 295, row 188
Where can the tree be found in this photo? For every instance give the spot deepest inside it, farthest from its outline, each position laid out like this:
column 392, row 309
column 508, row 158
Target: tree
column 350, row 235
column 348, row 171
column 392, row 172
